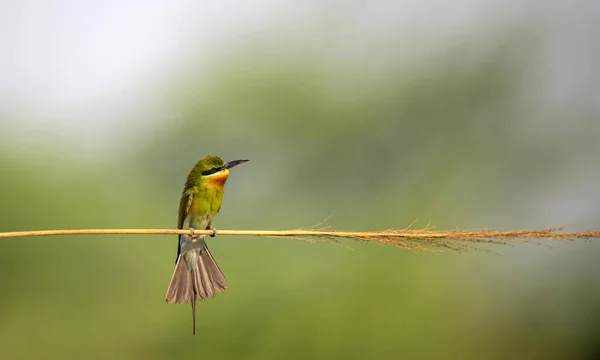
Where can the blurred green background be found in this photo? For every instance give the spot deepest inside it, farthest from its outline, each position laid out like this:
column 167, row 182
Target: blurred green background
column 464, row 114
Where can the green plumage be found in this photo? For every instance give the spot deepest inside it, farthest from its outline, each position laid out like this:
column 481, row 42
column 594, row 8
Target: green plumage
column 201, row 199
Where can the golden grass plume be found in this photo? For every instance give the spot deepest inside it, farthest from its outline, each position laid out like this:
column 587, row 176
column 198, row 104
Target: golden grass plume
column 426, row 239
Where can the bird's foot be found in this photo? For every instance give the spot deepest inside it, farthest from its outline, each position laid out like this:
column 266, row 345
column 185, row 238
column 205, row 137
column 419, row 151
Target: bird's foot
column 193, row 235
column 214, row 231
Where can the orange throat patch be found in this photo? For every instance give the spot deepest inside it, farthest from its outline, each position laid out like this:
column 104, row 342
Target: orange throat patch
column 219, row 178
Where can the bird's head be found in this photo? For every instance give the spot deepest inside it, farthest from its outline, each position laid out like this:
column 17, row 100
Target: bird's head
column 214, row 170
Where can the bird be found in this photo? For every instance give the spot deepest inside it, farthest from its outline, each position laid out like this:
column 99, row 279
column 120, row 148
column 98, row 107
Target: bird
column 196, row 273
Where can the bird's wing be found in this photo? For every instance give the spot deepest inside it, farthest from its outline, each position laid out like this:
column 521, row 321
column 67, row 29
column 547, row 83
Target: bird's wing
column 184, row 206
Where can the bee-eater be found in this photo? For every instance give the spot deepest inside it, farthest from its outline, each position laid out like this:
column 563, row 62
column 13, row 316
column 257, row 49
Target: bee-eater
column 196, row 272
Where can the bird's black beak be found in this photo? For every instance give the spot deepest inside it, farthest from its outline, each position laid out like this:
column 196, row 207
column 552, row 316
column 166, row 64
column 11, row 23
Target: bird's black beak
column 233, row 163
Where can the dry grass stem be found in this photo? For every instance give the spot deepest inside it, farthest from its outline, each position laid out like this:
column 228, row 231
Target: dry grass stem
column 425, row 239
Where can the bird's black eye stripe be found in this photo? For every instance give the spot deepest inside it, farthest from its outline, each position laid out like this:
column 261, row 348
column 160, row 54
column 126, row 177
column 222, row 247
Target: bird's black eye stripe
column 212, row 171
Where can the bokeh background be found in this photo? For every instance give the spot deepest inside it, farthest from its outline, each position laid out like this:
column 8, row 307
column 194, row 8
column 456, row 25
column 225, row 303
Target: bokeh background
column 466, row 114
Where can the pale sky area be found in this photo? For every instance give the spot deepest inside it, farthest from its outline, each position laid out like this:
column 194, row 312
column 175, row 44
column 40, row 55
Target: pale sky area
column 80, row 69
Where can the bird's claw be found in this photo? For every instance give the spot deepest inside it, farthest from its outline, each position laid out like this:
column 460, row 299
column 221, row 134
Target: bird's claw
column 193, row 235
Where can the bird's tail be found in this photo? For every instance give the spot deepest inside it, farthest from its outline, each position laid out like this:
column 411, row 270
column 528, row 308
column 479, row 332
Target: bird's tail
column 180, row 288
column 208, row 276
column 195, row 276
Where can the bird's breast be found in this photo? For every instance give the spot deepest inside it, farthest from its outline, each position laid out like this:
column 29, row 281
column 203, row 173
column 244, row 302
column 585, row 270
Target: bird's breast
column 204, row 206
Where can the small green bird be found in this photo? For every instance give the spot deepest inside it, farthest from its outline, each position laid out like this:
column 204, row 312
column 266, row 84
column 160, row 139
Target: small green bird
column 196, row 272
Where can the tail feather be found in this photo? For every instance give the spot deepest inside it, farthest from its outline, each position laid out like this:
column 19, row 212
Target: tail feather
column 216, row 275
column 207, row 276
column 189, row 282
column 202, row 283
column 194, row 316
column 180, row 290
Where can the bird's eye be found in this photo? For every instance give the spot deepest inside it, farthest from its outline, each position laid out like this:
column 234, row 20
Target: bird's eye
column 211, row 171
